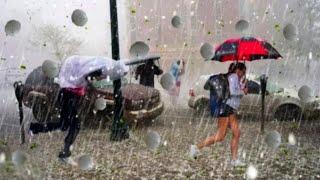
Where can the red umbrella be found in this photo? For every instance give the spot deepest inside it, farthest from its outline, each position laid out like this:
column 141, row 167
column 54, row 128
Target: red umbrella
column 245, row 49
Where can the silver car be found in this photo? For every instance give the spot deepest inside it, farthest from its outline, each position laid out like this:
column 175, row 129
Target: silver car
column 281, row 103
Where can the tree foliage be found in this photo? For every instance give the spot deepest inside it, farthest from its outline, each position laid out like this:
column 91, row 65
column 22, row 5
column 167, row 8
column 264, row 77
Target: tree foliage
column 56, row 40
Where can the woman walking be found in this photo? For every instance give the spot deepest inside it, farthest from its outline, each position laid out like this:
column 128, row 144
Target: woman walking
column 227, row 115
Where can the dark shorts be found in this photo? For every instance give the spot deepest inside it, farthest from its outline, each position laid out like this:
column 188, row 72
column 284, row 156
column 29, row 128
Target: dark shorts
column 226, row 110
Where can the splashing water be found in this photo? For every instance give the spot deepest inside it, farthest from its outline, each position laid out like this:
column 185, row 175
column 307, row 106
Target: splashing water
column 152, row 140
column 85, row 162
column 176, row 22
column 79, row 17
column 273, row 139
column 19, row 158
column 100, row 104
column 290, row 32
column 50, row 68
column 2, row 158
column 206, row 51
column 12, row 27
column 242, row 25
column 139, row 50
column 251, row 172
column 305, row 93
column 292, row 139
column 167, row 81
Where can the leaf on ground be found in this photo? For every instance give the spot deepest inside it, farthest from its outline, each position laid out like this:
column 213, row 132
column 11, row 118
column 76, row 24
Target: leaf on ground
column 23, row 66
column 33, row 146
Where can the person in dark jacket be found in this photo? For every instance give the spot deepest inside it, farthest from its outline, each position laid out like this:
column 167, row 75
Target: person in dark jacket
column 146, row 72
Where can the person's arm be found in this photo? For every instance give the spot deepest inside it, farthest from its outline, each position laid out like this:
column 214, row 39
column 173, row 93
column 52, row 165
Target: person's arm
column 234, row 86
column 157, row 70
column 244, row 86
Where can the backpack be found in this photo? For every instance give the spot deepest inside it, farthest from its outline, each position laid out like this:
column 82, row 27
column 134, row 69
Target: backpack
column 219, row 87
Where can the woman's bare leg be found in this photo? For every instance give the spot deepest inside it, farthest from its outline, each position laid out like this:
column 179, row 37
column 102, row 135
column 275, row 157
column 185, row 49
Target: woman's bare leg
column 234, row 125
column 219, row 136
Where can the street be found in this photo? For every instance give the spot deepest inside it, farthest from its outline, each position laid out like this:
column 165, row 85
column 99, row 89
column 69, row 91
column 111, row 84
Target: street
column 178, row 129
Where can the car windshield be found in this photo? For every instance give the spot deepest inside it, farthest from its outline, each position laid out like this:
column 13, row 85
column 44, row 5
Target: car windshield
column 274, row 88
column 271, row 87
column 108, row 84
column 254, row 87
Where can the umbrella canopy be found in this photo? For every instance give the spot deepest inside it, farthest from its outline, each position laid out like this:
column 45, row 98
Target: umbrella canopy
column 245, row 49
column 75, row 69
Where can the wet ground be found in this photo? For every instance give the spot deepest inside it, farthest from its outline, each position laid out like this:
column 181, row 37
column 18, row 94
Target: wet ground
column 178, row 128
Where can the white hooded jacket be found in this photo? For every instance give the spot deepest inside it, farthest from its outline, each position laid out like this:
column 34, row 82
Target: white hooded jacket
column 75, row 69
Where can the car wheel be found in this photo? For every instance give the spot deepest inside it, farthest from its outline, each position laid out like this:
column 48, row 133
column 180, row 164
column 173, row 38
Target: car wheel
column 288, row 112
column 201, row 107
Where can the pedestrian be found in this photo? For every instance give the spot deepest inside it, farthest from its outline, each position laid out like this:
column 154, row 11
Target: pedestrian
column 227, row 115
column 76, row 73
column 213, row 102
column 177, row 69
column 146, row 72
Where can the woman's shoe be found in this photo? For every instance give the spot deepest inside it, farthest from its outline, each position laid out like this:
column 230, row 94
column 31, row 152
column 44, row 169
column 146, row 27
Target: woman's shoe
column 194, row 152
column 237, row 163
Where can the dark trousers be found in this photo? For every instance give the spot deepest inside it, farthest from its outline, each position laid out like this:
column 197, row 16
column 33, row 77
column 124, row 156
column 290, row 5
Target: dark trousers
column 68, row 119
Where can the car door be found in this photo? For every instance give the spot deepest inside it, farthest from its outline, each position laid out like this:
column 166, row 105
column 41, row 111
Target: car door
column 250, row 103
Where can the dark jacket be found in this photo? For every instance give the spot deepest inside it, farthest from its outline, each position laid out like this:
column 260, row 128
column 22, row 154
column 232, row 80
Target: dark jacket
column 147, row 72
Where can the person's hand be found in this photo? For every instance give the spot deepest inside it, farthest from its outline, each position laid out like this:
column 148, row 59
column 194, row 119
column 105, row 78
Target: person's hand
column 245, row 81
column 245, row 90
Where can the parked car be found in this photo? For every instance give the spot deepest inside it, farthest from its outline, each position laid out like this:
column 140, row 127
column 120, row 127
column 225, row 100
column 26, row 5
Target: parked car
column 141, row 104
column 281, row 103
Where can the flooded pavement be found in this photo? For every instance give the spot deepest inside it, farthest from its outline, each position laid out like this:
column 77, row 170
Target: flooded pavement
column 178, row 129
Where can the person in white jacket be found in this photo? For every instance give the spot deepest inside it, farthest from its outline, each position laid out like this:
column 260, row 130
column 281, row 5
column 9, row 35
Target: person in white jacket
column 227, row 115
column 76, row 73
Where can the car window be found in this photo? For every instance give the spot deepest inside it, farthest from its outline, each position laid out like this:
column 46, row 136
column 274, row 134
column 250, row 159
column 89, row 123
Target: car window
column 253, row 87
column 274, row 88
column 108, row 84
